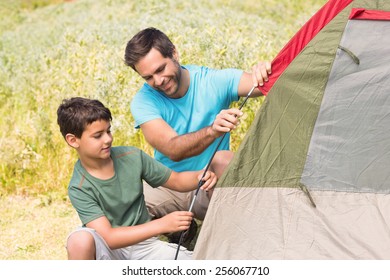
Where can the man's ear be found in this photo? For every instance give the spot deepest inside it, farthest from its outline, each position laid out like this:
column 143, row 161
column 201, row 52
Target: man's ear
column 175, row 54
column 72, row 140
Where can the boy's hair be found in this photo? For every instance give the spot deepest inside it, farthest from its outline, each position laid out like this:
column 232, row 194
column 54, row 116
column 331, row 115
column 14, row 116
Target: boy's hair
column 74, row 114
column 143, row 42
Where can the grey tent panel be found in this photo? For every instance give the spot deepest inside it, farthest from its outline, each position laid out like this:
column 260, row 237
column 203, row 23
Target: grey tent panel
column 350, row 146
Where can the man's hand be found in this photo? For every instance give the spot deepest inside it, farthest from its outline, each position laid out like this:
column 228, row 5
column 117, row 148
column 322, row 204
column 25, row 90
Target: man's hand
column 260, row 73
column 225, row 121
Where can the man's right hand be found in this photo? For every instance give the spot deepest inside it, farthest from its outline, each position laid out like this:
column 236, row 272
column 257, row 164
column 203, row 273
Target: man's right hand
column 225, row 121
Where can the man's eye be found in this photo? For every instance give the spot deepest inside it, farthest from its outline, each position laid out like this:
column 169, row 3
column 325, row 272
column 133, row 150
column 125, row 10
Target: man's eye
column 160, row 69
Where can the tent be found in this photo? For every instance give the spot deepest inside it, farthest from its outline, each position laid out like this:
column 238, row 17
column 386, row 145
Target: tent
column 311, row 178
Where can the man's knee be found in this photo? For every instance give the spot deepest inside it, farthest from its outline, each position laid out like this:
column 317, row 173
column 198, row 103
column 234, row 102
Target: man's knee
column 162, row 201
column 220, row 161
column 81, row 245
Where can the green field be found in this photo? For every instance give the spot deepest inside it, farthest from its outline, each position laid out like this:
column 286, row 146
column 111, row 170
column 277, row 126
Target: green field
column 51, row 50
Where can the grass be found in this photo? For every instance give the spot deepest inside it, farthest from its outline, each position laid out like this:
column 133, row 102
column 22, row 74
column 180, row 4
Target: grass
column 50, row 50
column 33, row 230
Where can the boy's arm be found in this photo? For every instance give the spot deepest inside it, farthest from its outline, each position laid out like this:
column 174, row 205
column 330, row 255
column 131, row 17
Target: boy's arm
column 188, row 180
column 120, row 237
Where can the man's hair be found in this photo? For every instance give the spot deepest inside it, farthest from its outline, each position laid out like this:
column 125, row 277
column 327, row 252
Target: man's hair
column 141, row 44
column 74, row 114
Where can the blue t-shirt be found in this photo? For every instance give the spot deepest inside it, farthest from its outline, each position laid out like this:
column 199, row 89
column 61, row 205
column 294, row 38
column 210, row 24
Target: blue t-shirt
column 209, row 92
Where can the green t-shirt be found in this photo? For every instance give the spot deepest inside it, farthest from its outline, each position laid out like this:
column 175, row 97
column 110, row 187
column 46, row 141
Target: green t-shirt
column 121, row 197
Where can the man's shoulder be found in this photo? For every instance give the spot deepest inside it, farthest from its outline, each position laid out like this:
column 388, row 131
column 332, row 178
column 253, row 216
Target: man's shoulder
column 146, row 94
column 197, row 69
column 192, row 67
column 205, row 72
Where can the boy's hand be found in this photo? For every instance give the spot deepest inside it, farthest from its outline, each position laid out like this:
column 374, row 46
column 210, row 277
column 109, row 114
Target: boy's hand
column 209, row 179
column 176, row 221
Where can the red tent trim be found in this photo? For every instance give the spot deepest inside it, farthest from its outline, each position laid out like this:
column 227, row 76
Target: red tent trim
column 302, row 38
column 359, row 13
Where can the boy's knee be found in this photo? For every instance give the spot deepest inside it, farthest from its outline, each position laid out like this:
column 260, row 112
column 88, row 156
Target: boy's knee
column 81, row 245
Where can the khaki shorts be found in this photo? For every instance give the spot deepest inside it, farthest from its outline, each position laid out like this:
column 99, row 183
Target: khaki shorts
column 162, row 201
column 150, row 249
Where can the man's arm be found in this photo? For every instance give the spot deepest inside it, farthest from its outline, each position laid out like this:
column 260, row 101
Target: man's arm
column 120, row 237
column 178, row 147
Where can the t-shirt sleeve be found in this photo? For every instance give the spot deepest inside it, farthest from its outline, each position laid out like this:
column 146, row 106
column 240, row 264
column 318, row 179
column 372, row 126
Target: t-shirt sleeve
column 86, row 206
column 154, row 172
column 145, row 107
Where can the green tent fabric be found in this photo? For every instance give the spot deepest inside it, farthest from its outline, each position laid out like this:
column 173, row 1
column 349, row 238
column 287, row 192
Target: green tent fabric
column 310, row 179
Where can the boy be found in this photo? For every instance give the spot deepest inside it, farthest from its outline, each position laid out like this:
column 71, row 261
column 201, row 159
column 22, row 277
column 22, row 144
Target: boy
column 106, row 190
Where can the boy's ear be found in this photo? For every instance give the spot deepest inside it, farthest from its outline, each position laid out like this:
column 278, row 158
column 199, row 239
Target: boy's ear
column 71, row 139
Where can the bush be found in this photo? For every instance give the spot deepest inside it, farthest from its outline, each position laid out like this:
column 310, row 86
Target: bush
column 51, row 50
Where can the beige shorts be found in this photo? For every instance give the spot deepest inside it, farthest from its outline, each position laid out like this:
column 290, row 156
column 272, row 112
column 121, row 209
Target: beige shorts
column 161, row 201
column 150, row 249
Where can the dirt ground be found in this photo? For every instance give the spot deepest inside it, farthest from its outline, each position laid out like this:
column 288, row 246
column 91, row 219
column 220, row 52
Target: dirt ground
column 32, row 229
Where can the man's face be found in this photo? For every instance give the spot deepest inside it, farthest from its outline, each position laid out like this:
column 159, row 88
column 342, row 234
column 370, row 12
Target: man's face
column 161, row 73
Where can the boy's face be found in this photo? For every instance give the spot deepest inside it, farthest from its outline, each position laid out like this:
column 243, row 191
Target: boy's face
column 96, row 141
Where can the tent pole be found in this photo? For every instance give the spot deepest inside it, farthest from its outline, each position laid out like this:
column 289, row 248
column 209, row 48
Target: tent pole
column 201, row 182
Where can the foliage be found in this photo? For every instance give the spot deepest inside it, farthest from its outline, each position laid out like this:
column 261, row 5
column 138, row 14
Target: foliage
column 51, row 50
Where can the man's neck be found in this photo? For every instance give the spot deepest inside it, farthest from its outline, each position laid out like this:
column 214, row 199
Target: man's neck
column 184, row 82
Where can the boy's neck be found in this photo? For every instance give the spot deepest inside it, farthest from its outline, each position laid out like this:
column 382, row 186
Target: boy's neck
column 102, row 170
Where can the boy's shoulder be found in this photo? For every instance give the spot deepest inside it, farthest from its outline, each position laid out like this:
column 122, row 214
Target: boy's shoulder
column 120, row 151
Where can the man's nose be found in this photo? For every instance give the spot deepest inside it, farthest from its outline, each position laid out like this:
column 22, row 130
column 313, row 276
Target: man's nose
column 158, row 80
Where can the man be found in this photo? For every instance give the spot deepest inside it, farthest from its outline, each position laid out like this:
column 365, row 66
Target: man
column 183, row 110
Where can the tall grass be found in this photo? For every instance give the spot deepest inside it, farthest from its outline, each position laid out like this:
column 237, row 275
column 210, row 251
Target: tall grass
column 65, row 49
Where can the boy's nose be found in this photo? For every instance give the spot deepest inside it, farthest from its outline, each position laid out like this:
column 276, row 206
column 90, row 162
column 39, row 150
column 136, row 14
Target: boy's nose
column 108, row 138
